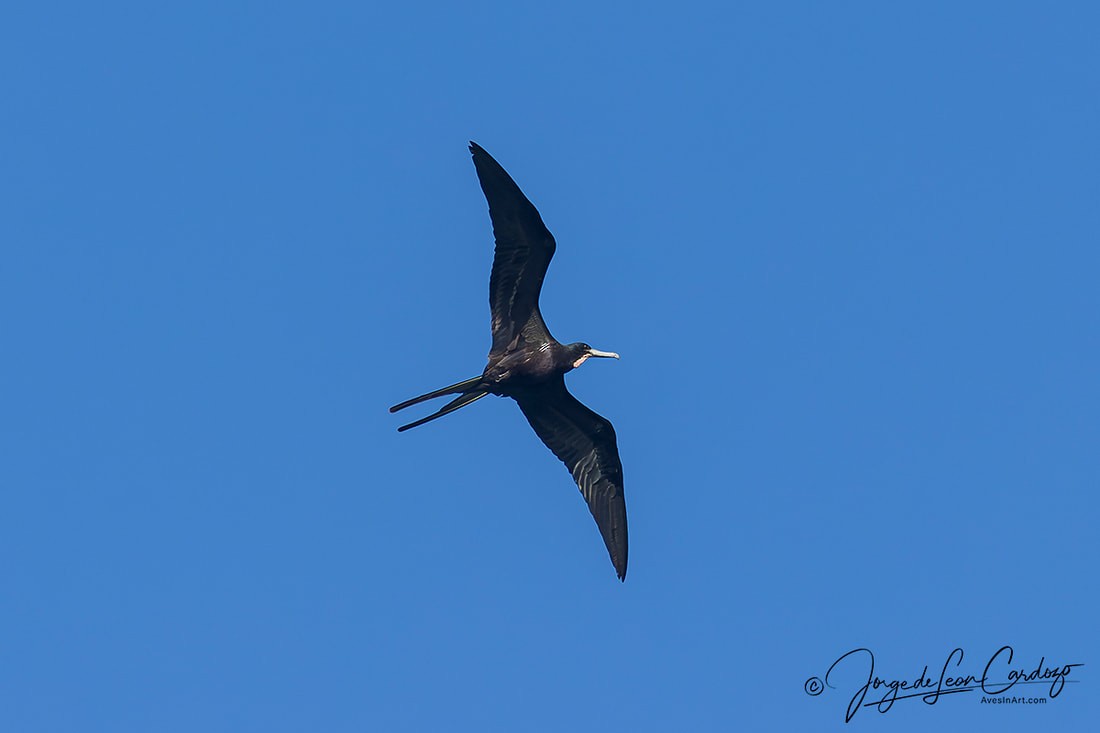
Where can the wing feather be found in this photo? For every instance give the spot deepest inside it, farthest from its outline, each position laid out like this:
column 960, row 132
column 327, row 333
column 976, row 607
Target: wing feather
column 585, row 442
column 524, row 247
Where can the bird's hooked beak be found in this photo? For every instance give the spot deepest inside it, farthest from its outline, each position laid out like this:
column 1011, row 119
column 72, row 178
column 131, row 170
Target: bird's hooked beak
column 594, row 352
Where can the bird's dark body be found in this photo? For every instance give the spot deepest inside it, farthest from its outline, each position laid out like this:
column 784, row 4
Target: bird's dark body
column 527, row 364
column 515, row 370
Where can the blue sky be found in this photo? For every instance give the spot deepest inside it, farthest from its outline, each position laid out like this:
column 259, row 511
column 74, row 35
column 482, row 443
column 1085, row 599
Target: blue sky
column 848, row 253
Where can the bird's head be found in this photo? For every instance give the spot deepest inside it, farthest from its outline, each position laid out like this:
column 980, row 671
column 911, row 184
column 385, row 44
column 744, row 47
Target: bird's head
column 580, row 352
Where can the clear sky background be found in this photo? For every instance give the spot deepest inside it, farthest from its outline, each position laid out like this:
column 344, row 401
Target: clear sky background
column 848, row 252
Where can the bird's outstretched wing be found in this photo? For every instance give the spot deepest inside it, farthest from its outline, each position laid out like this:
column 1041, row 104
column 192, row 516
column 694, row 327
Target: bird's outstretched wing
column 585, row 443
column 524, row 247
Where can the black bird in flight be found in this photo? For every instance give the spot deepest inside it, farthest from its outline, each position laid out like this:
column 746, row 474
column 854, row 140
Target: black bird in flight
column 527, row 364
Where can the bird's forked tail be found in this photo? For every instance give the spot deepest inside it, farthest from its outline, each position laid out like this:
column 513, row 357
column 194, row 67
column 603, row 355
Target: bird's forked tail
column 468, row 391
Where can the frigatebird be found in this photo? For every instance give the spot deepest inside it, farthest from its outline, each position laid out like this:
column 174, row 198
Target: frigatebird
column 527, row 364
